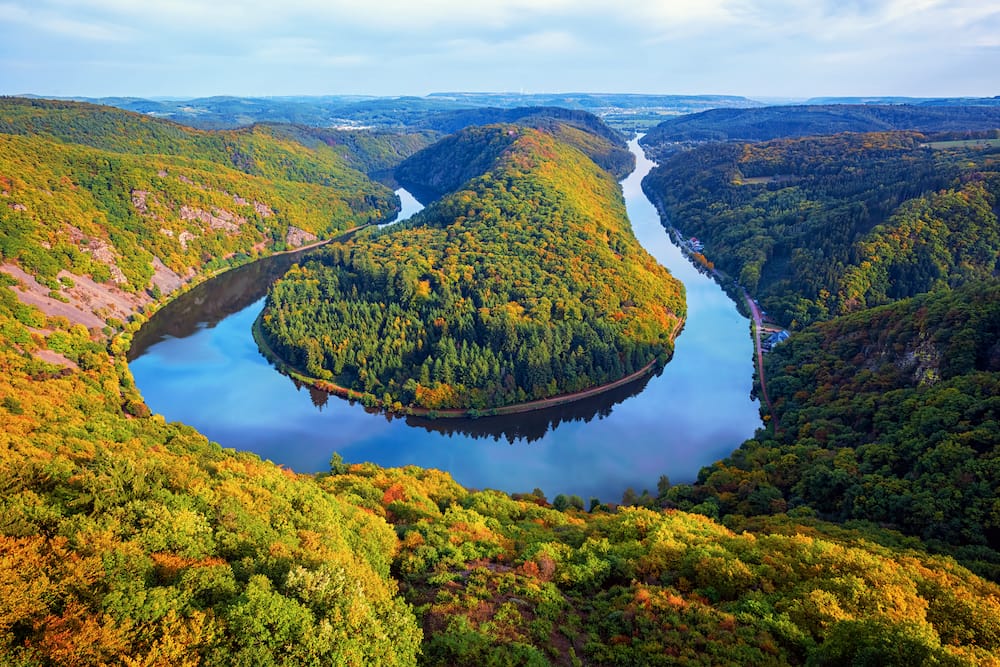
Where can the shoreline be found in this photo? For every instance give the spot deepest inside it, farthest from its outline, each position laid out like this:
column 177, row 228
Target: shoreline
column 284, row 367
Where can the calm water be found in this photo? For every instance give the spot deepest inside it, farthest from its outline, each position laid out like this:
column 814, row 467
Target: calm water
column 196, row 362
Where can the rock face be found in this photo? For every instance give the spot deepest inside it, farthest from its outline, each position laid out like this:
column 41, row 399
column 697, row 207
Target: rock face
column 217, row 219
column 86, row 302
column 298, row 237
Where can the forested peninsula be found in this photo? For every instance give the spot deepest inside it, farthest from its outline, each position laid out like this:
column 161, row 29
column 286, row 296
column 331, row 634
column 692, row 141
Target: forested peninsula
column 523, row 282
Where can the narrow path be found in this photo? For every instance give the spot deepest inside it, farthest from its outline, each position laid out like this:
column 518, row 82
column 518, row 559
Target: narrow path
column 757, row 322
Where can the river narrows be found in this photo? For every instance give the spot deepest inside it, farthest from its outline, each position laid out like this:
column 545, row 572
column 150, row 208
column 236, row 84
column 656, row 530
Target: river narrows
column 196, row 362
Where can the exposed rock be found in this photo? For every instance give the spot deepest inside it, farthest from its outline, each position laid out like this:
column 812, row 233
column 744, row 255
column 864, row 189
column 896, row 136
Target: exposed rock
column 164, row 277
column 55, row 358
column 17, row 207
column 33, row 293
column 297, row 237
column 263, row 210
column 139, row 201
column 240, row 200
column 923, row 363
column 102, row 252
column 184, row 237
column 217, row 219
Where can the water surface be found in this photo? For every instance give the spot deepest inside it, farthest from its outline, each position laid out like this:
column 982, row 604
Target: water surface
column 196, row 362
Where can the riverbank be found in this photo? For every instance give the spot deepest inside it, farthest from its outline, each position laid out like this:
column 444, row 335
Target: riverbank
column 370, row 400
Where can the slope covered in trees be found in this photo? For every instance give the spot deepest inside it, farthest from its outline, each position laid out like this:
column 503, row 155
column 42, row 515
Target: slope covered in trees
column 134, row 204
column 525, row 283
column 766, row 123
column 444, row 166
column 124, row 538
column 612, row 154
column 373, row 152
column 891, row 415
column 820, row 226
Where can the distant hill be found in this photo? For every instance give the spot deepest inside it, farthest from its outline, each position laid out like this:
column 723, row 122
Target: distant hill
column 798, row 121
column 340, row 111
column 927, row 101
column 443, row 167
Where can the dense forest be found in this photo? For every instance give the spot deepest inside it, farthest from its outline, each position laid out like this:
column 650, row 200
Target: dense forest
column 524, row 284
column 128, row 540
column 820, row 226
column 445, row 166
column 766, row 123
column 890, row 415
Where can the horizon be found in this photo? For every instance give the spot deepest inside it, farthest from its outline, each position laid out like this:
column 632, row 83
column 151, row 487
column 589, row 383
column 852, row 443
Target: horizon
column 766, row 99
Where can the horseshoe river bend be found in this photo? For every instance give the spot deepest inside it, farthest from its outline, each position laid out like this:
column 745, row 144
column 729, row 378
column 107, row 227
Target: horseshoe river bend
column 195, row 361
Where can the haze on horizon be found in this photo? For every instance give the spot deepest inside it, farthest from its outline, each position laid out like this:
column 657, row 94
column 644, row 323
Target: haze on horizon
column 757, row 48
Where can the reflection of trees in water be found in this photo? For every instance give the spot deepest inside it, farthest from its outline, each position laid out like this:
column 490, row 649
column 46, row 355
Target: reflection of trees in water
column 318, row 397
column 212, row 301
column 532, row 426
column 209, row 303
column 526, row 426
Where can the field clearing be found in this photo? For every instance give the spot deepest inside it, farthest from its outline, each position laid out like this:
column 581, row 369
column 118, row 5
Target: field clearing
column 965, row 143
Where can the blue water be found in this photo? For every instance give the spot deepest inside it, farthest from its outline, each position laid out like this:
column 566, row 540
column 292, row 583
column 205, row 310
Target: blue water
column 197, row 363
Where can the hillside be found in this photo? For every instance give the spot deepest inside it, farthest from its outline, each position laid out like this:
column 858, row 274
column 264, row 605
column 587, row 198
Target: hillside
column 766, row 123
column 128, row 540
column 819, row 226
column 523, row 284
column 446, row 165
column 890, row 416
column 103, row 210
column 373, row 152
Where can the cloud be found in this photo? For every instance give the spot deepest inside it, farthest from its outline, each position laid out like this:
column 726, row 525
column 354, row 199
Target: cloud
column 293, row 50
column 532, row 45
column 47, row 21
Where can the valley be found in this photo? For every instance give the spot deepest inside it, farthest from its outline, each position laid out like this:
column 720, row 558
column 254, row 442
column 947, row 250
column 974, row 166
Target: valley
column 855, row 522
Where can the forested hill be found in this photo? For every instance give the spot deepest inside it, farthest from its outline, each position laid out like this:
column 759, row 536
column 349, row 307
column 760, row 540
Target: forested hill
column 101, row 210
column 446, row 165
column 374, row 152
column 524, row 283
column 820, row 226
column 762, row 124
column 891, row 415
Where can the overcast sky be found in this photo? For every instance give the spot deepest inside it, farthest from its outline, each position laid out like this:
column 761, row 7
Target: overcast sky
column 757, row 48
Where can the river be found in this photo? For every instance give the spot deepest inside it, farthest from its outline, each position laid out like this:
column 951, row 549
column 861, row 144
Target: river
column 196, row 362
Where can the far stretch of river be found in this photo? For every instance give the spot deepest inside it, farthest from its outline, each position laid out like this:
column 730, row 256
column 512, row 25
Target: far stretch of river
column 196, row 362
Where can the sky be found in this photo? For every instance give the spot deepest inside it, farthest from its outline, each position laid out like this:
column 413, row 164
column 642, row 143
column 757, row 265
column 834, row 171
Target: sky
column 756, row 48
